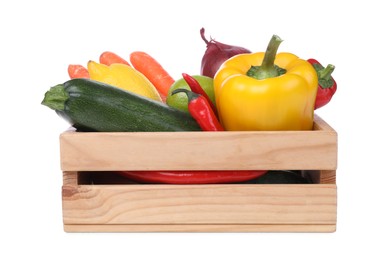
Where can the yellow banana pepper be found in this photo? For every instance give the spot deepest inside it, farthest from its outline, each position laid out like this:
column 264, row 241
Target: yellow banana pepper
column 124, row 77
column 278, row 95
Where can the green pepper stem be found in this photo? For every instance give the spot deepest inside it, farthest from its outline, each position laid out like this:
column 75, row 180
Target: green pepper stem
column 327, row 72
column 268, row 69
column 56, row 97
column 270, row 53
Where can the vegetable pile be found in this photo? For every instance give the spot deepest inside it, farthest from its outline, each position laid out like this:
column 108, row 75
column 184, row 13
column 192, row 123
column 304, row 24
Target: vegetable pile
column 237, row 90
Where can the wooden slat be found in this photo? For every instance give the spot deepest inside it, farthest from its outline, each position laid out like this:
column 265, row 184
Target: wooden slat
column 70, row 178
column 321, row 125
column 200, row 204
column 272, row 150
column 200, row 228
column 328, row 176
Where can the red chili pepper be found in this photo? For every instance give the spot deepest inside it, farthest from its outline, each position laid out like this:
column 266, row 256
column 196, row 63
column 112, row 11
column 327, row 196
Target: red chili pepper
column 197, row 88
column 326, row 84
column 191, row 177
column 201, row 111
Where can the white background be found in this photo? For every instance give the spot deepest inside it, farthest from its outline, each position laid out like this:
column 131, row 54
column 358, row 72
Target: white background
column 40, row 38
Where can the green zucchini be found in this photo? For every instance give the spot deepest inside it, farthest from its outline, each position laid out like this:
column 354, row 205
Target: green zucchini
column 94, row 106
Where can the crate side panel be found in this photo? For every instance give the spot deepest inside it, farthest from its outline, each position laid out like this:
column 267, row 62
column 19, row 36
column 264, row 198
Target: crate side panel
column 200, row 204
column 316, row 150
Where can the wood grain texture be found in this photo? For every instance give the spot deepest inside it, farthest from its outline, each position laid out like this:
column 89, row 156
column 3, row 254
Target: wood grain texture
column 272, row 150
column 200, row 228
column 70, row 178
column 200, row 204
column 328, row 176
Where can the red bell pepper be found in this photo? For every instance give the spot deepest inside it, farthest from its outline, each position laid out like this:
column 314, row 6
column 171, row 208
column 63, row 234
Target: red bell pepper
column 201, row 110
column 326, row 84
column 191, row 177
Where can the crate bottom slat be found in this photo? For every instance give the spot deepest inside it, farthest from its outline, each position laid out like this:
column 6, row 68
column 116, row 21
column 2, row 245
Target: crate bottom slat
column 193, row 208
column 201, row 228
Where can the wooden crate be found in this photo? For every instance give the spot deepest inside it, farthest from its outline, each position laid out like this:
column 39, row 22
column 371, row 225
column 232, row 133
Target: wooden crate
column 96, row 200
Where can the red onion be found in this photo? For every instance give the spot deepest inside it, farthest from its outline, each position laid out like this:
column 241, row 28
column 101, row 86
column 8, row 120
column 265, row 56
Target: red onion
column 217, row 53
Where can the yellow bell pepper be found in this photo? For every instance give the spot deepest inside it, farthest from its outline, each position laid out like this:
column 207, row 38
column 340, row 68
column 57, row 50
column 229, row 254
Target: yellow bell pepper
column 124, row 77
column 278, row 95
